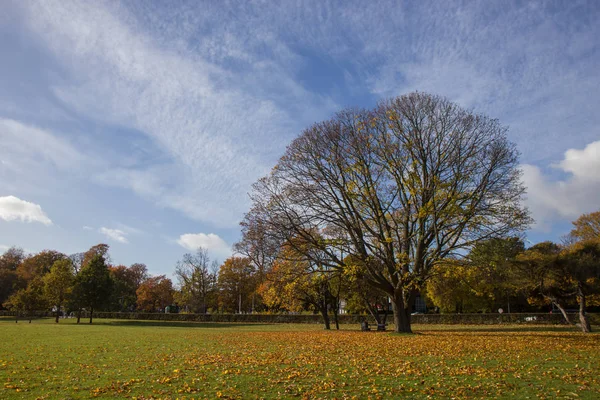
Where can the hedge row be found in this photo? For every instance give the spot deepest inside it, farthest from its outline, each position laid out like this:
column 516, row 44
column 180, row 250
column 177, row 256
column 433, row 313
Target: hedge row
column 476, row 319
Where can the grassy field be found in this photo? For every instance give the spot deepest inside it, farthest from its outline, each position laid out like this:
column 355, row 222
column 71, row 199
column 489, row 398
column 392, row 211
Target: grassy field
column 147, row 360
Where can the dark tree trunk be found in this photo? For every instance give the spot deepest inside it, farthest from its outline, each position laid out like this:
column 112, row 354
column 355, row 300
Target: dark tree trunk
column 401, row 314
column 78, row 314
column 91, row 314
column 583, row 320
column 336, row 319
column 57, row 314
column 325, row 315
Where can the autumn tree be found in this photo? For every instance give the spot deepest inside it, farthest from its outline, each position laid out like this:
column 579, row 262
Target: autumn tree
column 100, row 249
column 401, row 188
column 9, row 263
column 579, row 266
column 586, row 227
column 93, row 285
column 58, row 284
column 296, row 283
column 237, row 284
column 197, row 278
column 38, row 265
column 538, row 271
column 155, row 293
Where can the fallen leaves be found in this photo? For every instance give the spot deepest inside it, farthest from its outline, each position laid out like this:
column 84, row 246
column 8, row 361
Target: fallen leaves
column 281, row 361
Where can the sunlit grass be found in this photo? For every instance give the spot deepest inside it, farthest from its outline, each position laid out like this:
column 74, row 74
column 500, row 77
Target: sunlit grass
column 187, row 360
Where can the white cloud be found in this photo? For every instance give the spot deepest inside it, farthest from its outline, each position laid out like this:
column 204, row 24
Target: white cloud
column 13, row 208
column 212, row 242
column 551, row 200
column 114, row 234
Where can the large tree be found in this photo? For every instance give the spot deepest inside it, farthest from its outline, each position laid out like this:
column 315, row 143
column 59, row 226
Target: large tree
column 400, row 188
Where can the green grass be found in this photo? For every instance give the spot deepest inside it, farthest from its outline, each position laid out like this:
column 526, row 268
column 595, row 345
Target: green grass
column 191, row 360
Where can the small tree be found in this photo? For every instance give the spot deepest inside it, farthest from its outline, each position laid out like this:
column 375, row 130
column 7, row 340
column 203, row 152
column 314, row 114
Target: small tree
column 197, row 278
column 58, row 284
column 538, row 272
column 28, row 300
column 579, row 266
column 93, row 284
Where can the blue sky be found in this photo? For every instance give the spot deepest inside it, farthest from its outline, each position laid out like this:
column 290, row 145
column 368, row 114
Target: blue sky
column 143, row 124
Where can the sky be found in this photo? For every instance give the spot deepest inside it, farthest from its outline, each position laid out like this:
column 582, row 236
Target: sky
column 143, row 124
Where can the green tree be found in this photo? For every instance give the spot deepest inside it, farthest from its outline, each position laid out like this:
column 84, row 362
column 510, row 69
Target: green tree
column 58, row 284
column 28, row 300
column 401, row 188
column 9, row 263
column 126, row 282
column 93, row 285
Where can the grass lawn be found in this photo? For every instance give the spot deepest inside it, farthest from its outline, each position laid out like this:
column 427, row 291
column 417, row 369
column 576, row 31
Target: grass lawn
column 147, row 360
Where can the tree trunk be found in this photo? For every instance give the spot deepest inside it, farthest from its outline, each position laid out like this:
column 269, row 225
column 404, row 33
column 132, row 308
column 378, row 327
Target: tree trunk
column 335, row 318
column 91, row 314
column 583, row 320
column 78, row 314
column 401, row 314
column 325, row 315
column 57, row 314
column 563, row 312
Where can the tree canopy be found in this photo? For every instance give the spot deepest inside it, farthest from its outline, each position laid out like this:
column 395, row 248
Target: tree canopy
column 400, row 187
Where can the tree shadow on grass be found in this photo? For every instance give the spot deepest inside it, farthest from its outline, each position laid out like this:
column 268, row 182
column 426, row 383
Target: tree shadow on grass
column 181, row 324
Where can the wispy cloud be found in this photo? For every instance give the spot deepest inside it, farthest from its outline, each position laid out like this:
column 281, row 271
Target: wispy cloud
column 114, row 234
column 219, row 135
column 30, row 157
column 14, row 209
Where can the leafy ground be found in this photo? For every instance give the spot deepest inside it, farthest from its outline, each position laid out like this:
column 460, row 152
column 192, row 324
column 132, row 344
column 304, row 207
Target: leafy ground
column 184, row 360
